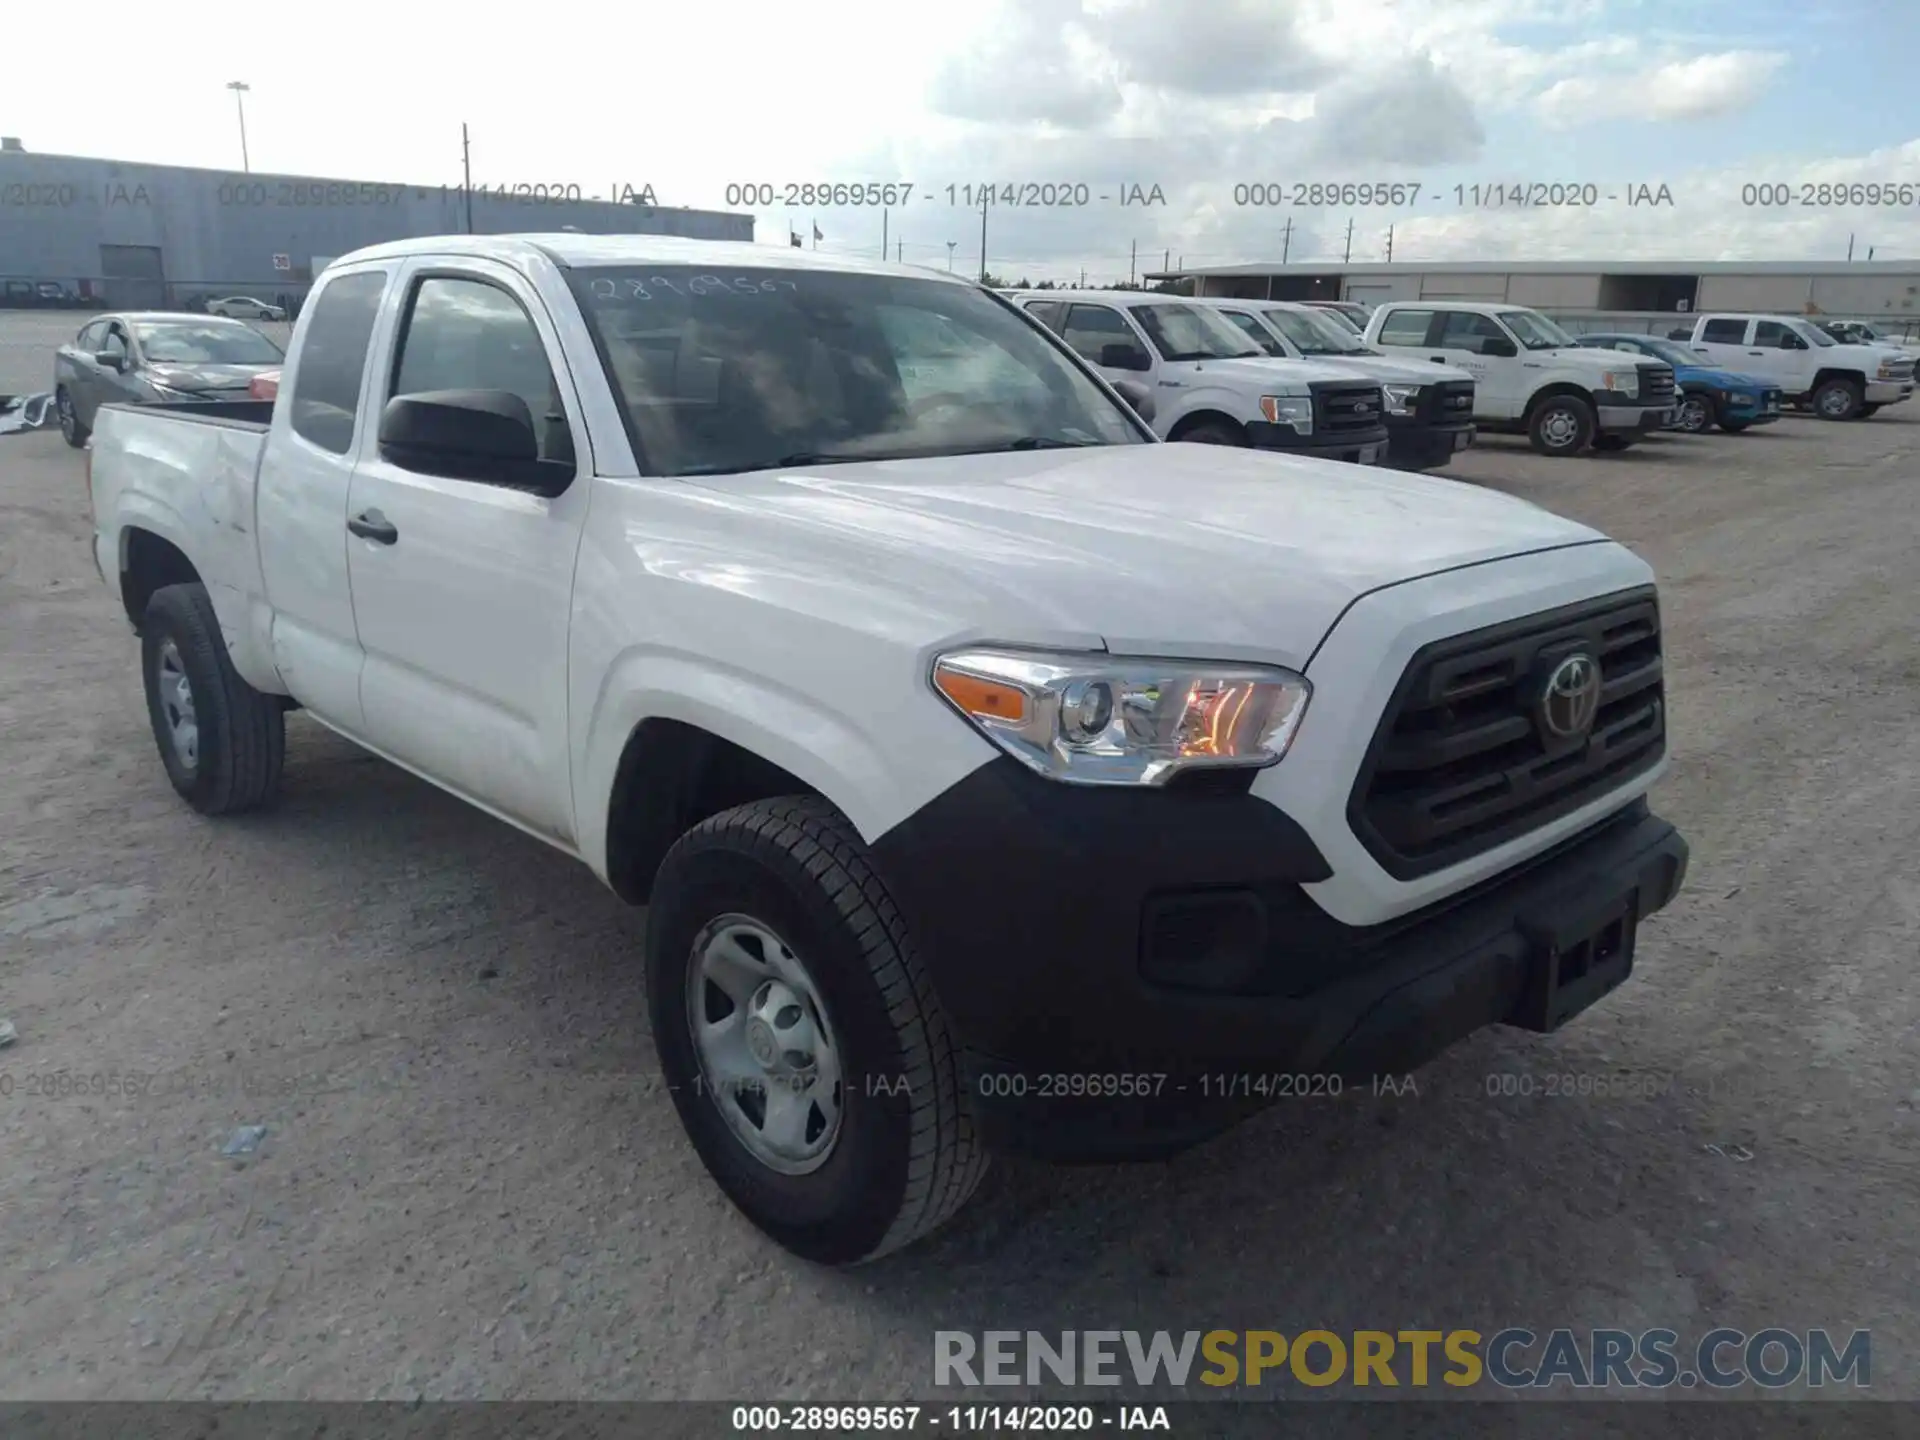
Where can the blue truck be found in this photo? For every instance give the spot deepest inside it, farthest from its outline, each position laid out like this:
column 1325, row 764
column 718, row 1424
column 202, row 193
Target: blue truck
column 1707, row 396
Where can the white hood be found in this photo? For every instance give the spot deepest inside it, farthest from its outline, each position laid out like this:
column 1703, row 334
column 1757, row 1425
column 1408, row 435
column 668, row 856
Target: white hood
column 1391, row 371
column 1151, row 549
column 1255, row 372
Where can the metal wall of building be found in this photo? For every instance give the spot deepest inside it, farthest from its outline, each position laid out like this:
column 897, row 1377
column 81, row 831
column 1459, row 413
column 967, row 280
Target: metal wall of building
column 1894, row 296
column 1554, row 291
column 76, row 220
column 1789, row 293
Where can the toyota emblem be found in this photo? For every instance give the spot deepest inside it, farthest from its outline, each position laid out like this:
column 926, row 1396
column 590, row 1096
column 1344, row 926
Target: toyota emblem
column 1571, row 697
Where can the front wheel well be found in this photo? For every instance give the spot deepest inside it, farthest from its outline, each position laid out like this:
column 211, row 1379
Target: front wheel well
column 151, row 564
column 671, row 776
column 1198, row 418
column 1554, row 392
column 1824, row 376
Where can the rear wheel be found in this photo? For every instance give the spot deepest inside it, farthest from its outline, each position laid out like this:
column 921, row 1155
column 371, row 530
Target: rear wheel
column 1696, row 414
column 800, row 1037
column 71, row 430
column 1838, row 399
column 1561, row 425
column 222, row 741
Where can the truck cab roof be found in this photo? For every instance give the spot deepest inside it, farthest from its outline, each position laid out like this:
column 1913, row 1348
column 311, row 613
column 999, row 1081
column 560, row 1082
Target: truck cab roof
column 571, row 251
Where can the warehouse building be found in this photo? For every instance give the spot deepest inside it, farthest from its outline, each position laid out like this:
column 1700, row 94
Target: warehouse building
column 107, row 233
column 1887, row 291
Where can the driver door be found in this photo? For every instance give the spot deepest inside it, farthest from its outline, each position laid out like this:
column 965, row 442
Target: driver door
column 1480, row 345
column 1775, row 352
column 1107, row 340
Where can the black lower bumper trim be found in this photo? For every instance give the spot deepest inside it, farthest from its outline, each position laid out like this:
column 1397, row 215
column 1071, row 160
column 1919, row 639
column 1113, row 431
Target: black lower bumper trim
column 1033, row 914
column 1416, row 445
column 1347, row 445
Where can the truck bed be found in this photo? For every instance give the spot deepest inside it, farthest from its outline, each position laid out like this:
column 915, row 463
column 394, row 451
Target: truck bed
column 184, row 473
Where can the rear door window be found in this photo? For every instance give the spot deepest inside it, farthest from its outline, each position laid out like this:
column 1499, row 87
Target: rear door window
column 1406, row 327
column 325, row 398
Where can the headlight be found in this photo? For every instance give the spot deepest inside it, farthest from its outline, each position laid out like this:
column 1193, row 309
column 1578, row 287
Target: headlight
column 1289, row 407
column 1402, row 399
column 1887, row 372
column 1626, row 382
column 1741, row 397
column 1099, row 720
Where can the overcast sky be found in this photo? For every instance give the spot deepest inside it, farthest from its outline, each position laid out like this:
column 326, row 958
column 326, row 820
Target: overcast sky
column 1194, row 96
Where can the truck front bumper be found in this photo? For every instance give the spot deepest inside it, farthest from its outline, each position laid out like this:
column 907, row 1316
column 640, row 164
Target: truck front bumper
column 1888, row 392
column 1128, row 973
column 1414, row 444
column 1639, row 418
column 1365, row 447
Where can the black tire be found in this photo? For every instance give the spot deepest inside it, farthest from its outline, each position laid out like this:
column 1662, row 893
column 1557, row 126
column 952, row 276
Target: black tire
column 1615, row 442
column 241, row 734
column 1866, row 410
column 71, row 430
column 906, row 1157
column 1561, row 425
column 1734, row 427
column 1214, row 432
column 1696, row 414
column 1838, row 399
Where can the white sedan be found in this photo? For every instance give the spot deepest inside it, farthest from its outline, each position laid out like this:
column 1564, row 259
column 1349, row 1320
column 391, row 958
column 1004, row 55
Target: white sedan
column 245, row 307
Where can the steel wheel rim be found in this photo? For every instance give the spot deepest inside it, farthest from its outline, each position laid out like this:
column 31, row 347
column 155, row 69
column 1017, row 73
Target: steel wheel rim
column 68, row 420
column 1836, row 402
column 768, row 1056
column 1559, row 429
column 1693, row 414
column 176, row 705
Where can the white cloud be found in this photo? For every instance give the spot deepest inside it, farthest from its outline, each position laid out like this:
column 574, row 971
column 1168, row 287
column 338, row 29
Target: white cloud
column 1692, row 89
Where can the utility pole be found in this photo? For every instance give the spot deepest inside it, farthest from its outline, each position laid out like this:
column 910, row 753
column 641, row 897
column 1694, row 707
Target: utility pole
column 950, row 245
column 240, row 88
column 883, row 237
column 1348, row 257
column 1286, row 241
column 1133, row 262
column 983, row 239
column 1849, row 247
column 1389, row 243
column 1083, row 277
column 899, row 252
column 466, row 173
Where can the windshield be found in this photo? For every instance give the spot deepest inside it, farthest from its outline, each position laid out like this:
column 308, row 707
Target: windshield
column 1257, row 333
column 1813, row 334
column 1186, row 332
column 1313, row 335
column 1668, row 351
column 1534, row 330
column 205, row 342
column 1340, row 319
column 722, row 371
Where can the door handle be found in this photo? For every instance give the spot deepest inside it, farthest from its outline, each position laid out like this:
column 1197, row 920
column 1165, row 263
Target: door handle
column 372, row 525
column 1438, row 359
column 1760, row 353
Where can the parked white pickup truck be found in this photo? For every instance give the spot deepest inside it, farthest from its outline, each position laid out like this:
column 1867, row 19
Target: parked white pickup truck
column 1209, row 382
column 996, row 775
column 1530, row 375
column 1429, row 407
column 1840, row 381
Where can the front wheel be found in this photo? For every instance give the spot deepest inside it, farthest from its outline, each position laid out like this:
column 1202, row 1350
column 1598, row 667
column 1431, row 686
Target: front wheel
column 1696, row 414
column 71, row 430
column 222, row 741
column 800, row 1037
column 1839, row 399
column 1561, row 425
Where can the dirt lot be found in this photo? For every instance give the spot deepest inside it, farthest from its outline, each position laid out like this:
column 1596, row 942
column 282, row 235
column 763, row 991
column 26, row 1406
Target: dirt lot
column 473, row 1186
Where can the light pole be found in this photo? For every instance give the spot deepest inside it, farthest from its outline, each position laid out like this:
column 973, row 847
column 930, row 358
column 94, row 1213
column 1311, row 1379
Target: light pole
column 240, row 88
column 950, row 245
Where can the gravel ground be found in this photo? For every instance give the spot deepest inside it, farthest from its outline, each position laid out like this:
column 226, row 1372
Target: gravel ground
column 472, row 1184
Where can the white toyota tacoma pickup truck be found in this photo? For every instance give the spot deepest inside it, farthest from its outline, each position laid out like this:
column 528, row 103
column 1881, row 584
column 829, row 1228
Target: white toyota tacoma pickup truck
column 1531, row 376
column 996, row 775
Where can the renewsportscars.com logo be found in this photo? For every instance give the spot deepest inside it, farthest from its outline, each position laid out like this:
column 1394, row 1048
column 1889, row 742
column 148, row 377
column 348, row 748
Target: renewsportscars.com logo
column 1514, row 1358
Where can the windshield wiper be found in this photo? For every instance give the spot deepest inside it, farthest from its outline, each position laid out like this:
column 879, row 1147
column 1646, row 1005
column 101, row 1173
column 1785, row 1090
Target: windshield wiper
column 1047, row 442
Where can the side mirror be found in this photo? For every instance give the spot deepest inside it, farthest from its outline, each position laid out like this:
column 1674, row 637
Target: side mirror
column 1138, row 396
column 112, row 359
column 484, row 435
column 1499, row 346
column 1120, row 356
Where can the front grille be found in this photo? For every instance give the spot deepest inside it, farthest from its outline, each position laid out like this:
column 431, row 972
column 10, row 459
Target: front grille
column 1447, row 401
column 1900, row 370
column 1347, row 407
column 1462, row 762
column 1656, row 384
